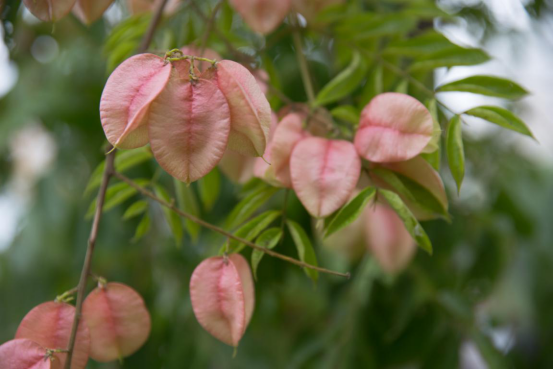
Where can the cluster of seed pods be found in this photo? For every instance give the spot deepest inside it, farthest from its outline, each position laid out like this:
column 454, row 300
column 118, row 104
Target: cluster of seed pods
column 115, row 323
column 189, row 117
column 89, row 11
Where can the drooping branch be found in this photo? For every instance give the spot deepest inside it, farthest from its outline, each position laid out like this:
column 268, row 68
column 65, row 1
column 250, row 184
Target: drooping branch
column 205, row 224
column 108, row 172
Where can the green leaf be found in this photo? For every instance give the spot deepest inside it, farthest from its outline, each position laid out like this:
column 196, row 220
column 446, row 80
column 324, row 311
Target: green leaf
column 115, row 195
column 142, row 228
column 344, row 83
column 252, row 229
column 268, row 239
column 349, row 212
column 502, row 117
column 124, row 160
column 425, row 44
column 347, row 113
column 186, row 201
column 136, row 209
column 249, row 205
column 366, row 26
column 374, row 84
column 486, row 85
column 493, row 357
column 172, row 218
column 434, row 143
column 450, row 58
column 395, row 182
column 455, row 150
column 304, row 247
column 411, row 224
column 209, row 187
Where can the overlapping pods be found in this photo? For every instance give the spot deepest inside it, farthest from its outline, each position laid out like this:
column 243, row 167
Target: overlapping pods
column 89, row 11
column 393, row 127
column 49, row 325
column 189, row 121
column 261, row 15
column 118, row 321
column 49, row 10
column 324, row 174
column 26, row 354
column 222, row 294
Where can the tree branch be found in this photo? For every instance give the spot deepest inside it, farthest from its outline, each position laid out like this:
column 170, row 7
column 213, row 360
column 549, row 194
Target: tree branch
column 205, row 224
column 108, row 172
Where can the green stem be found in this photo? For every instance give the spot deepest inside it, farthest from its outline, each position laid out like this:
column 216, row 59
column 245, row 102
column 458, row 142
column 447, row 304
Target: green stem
column 304, row 69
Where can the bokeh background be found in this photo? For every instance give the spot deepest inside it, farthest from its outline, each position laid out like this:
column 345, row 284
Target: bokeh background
column 483, row 300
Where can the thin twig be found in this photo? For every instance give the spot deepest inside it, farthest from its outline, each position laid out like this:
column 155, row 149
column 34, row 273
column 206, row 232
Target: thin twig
column 209, row 27
column 304, row 69
column 108, row 172
column 205, row 224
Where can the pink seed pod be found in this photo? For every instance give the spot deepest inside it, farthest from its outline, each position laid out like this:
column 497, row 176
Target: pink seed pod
column 88, row 11
column 263, row 16
column 250, row 112
column 287, row 134
column 324, row 174
column 127, row 97
column 189, row 126
column 207, row 53
column 237, row 167
column 387, row 239
column 49, row 10
column 49, row 325
column 223, row 299
column 421, row 172
column 26, row 354
column 118, row 321
column 262, row 78
column 393, row 127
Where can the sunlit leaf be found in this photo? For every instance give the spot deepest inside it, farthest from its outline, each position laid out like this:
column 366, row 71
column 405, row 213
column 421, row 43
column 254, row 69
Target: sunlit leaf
column 349, row 212
column 142, row 228
column 347, row 113
column 450, row 58
column 502, row 117
column 249, row 205
column 411, row 224
column 186, row 201
column 486, row 85
column 251, row 229
column 135, row 209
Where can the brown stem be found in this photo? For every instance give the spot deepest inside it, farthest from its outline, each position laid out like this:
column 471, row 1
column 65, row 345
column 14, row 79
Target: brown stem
column 205, row 224
column 108, row 172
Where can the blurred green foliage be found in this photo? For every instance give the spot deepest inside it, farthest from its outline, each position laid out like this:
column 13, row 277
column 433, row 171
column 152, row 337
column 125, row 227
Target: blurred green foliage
column 489, row 272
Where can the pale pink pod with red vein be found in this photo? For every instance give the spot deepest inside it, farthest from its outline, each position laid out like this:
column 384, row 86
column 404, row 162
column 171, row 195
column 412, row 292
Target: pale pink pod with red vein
column 421, row 172
column 25, row 354
column 387, row 239
column 49, row 10
column 324, row 174
column 49, row 324
column 393, row 127
column 127, row 98
column 207, row 53
column 145, row 6
column 250, row 112
column 118, row 321
column 223, row 299
column 88, row 11
column 189, row 126
column 237, row 167
column 263, row 16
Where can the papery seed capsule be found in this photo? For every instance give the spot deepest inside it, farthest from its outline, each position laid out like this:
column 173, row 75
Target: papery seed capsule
column 387, row 239
column 250, row 112
column 49, row 324
column 127, row 97
column 49, row 10
column 393, row 127
column 88, row 11
column 263, row 16
column 421, row 172
column 324, row 174
column 222, row 294
column 145, row 6
column 25, row 354
column 287, row 134
column 189, row 125
column 118, row 321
